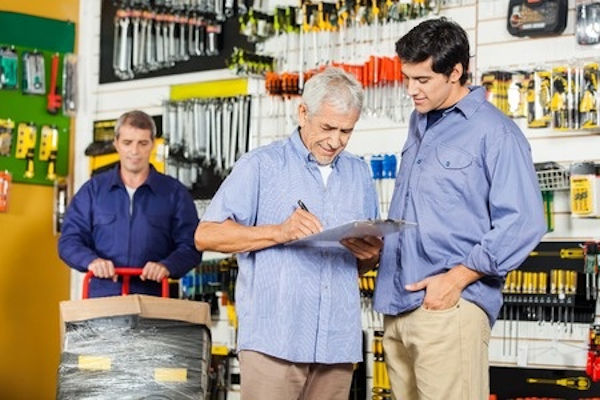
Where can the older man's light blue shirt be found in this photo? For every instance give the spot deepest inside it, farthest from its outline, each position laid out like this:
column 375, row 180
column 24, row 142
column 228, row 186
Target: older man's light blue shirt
column 300, row 304
column 469, row 183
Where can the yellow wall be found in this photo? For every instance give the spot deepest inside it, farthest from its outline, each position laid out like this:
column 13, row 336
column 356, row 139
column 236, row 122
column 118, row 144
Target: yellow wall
column 32, row 278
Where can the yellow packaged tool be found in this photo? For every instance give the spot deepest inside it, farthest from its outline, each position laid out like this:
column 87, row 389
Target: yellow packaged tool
column 539, row 100
column 6, row 131
column 26, row 138
column 585, row 190
column 589, row 117
column 49, row 149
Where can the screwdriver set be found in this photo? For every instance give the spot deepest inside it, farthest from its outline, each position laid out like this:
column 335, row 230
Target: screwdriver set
column 564, row 97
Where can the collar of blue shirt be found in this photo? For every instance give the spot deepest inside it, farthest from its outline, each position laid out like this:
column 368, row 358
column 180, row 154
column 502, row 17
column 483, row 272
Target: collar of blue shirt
column 151, row 181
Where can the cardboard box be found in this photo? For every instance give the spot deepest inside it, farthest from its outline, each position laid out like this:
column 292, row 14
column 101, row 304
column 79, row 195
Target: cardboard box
column 141, row 346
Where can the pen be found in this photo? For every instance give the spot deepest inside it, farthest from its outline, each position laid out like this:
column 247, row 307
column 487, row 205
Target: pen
column 302, row 206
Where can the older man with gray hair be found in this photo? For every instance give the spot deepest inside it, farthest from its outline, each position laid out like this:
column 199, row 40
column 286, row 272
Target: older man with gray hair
column 298, row 307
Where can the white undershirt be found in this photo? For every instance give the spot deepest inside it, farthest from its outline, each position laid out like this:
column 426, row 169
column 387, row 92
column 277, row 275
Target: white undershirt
column 130, row 192
column 325, row 172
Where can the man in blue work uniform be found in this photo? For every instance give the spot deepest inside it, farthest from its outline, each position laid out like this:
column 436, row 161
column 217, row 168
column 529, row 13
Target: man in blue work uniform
column 298, row 307
column 131, row 216
column 467, row 178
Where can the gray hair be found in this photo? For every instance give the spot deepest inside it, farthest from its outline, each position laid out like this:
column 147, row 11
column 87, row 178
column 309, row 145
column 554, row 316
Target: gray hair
column 137, row 119
column 334, row 87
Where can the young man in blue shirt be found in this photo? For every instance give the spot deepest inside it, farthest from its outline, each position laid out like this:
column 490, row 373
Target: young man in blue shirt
column 131, row 216
column 467, row 178
column 298, row 307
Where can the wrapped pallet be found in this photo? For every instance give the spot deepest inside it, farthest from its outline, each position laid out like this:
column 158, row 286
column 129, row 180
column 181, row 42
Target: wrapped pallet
column 134, row 347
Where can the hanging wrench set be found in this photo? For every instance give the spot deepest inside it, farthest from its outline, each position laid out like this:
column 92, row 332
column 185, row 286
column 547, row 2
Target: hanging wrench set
column 205, row 134
column 150, row 35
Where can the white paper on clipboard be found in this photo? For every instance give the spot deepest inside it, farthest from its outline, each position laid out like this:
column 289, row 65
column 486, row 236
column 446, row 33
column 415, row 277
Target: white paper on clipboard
column 355, row 229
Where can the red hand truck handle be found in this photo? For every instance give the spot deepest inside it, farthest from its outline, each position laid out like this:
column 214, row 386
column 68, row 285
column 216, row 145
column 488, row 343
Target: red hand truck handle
column 126, row 273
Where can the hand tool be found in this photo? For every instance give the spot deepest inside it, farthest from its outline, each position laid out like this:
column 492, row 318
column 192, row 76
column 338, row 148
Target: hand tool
column 576, row 382
column 34, row 73
column 26, row 138
column 54, row 98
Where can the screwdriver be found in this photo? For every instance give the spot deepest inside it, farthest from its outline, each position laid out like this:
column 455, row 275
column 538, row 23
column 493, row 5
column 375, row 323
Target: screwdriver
column 578, row 382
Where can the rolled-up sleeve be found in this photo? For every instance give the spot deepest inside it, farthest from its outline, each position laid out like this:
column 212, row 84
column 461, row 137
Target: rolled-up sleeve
column 237, row 198
column 515, row 205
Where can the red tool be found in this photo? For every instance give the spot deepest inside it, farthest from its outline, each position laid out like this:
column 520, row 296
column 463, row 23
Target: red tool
column 54, row 99
column 126, row 273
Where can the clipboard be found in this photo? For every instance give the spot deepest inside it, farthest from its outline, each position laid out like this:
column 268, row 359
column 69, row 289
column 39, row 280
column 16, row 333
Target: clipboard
column 355, row 229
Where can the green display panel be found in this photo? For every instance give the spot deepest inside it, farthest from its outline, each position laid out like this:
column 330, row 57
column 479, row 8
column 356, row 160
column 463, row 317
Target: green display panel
column 47, row 36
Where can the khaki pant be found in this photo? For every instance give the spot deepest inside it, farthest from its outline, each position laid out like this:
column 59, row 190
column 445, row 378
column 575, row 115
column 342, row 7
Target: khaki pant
column 268, row 378
column 433, row 355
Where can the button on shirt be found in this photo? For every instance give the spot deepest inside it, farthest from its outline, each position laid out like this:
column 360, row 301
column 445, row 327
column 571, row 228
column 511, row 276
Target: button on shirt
column 300, row 304
column 160, row 228
column 469, row 183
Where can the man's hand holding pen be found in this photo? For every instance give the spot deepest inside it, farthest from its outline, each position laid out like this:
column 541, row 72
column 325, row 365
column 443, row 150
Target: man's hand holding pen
column 300, row 224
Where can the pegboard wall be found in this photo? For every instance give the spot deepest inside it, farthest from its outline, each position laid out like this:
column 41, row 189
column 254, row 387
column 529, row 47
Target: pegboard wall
column 48, row 37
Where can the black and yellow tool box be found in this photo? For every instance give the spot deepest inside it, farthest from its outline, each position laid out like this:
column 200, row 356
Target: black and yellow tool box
column 134, row 347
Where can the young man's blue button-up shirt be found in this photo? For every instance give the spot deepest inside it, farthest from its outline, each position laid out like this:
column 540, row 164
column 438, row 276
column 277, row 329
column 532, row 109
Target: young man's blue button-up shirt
column 161, row 229
column 300, row 304
column 469, row 183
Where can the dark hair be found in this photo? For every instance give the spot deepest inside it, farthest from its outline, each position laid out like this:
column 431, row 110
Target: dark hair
column 444, row 41
column 137, row 119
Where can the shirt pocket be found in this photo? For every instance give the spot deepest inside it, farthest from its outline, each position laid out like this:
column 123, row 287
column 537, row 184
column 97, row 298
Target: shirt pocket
column 104, row 230
column 451, row 157
column 159, row 228
column 452, row 174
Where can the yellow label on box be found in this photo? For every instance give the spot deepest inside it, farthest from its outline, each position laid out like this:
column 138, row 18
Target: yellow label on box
column 170, row 374
column 98, row 363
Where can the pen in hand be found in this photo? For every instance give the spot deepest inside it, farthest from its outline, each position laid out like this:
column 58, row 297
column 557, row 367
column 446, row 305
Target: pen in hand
column 302, row 206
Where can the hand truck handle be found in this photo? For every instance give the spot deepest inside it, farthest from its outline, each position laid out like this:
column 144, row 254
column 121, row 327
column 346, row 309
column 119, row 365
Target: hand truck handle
column 126, row 273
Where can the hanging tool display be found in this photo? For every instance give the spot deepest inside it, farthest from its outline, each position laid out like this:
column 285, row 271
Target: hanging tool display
column 565, row 97
column 585, row 189
column 564, row 101
column 551, row 177
column 530, row 296
column 34, row 73
column 153, row 35
column 383, row 170
column 496, row 84
column 26, row 138
column 381, row 381
column 69, row 81
column 345, row 34
column 589, row 97
column 213, row 133
column 537, row 17
column 6, row 133
column 48, row 149
column 587, row 24
column 8, row 68
column 243, row 62
column 539, row 99
column 590, row 269
column 54, row 98
column 61, row 200
column 5, row 182
column 366, row 286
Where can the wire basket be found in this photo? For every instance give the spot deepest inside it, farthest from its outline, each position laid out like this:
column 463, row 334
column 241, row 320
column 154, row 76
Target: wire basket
column 553, row 179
